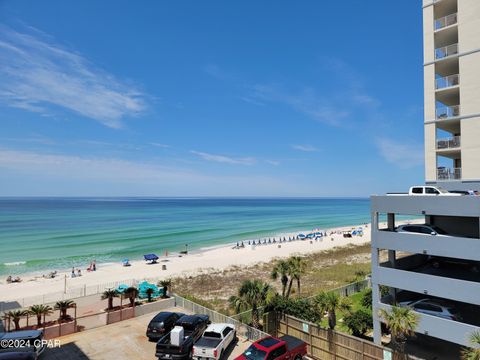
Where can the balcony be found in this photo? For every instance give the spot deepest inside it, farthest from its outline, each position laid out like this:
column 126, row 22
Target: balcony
column 447, row 112
column 447, row 174
column 448, row 143
column 445, row 21
column 445, row 51
column 447, row 81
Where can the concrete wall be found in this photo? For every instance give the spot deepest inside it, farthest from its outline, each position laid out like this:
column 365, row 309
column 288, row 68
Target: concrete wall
column 470, row 129
column 430, row 149
column 457, row 247
column 440, row 328
column 155, row 306
column 436, row 209
column 469, row 25
column 428, row 46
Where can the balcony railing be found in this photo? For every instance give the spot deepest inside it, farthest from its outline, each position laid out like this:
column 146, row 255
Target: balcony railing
column 447, row 81
column 448, row 143
column 445, row 51
column 449, row 174
column 447, row 112
column 445, row 21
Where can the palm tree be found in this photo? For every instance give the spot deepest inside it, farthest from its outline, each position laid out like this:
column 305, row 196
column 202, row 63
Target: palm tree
column 401, row 321
column 149, row 293
column 281, row 270
column 63, row 306
column 39, row 311
column 16, row 316
column 472, row 353
column 165, row 284
column 252, row 294
column 110, row 294
column 131, row 293
column 297, row 267
column 331, row 302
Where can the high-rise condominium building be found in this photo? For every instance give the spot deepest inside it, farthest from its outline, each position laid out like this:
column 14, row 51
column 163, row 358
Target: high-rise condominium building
column 433, row 264
column 451, row 31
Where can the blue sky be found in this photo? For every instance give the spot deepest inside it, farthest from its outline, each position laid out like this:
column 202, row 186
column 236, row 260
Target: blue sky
column 210, row 98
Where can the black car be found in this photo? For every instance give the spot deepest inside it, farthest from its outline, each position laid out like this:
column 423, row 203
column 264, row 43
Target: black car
column 193, row 327
column 161, row 324
column 18, row 355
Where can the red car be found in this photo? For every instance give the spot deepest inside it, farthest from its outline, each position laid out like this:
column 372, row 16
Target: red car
column 270, row 348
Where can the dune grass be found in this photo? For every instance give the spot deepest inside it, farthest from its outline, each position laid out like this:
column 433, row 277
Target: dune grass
column 325, row 270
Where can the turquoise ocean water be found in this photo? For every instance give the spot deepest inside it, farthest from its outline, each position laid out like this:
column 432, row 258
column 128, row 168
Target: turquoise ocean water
column 37, row 234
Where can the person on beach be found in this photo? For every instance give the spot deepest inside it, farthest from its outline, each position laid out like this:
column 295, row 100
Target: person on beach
column 79, row 272
column 73, row 272
column 94, row 265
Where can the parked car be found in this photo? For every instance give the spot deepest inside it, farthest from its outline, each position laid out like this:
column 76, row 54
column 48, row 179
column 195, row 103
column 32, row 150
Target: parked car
column 30, row 338
column 271, row 348
column 18, row 355
column 442, row 261
column 421, row 229
column 440, row 308
column 214, row 341
column 193, row 327
column 161, row 324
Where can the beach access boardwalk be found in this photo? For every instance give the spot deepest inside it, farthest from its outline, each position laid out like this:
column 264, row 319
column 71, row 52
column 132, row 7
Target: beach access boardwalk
column 122, row 340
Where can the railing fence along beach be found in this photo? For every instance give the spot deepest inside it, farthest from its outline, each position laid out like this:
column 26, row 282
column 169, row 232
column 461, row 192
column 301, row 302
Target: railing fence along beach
column 69, row 294
column 85, row 291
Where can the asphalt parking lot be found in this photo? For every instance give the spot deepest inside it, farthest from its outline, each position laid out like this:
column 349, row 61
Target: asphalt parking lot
column 122, row 340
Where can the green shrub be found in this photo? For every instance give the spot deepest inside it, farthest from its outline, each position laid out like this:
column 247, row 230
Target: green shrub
column 367, row 298
column 359, row 322
column 300, row 308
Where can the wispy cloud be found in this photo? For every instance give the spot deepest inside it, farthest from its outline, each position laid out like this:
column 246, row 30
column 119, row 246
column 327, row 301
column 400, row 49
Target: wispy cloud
column 307, row 101
column 100, row 175
column 224, row 159
column 36, row 73
column 402, row 154
column 305, row 148
column 273, row 162
column 160, row 145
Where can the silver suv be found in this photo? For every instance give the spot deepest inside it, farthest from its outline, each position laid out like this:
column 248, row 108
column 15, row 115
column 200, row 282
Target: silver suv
column 434, row 307
column 421, row 229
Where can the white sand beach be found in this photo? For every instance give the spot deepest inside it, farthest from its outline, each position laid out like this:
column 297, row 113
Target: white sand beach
column 187, row 265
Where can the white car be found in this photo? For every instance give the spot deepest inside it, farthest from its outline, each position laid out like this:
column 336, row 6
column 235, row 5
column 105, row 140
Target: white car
column 433, row 307
column 421, row 229
column 214, row 341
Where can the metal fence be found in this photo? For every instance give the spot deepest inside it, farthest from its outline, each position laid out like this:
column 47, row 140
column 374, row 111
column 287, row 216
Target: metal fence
column 69, row 294
column 243, row 330
column 350, row 289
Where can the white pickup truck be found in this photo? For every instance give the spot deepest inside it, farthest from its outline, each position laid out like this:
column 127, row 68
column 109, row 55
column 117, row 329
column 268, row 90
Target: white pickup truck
column 214, row 341
column 427, row 190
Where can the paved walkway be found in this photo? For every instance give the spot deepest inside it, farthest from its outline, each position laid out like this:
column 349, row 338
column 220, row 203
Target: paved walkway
column 122, row 340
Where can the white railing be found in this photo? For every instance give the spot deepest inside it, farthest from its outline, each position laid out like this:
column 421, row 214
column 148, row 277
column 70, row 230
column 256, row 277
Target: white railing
column 445, row 21
column 445, row 51
column 447, row 112
column 448, row 143
column 447, row 81
column 449, row 174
